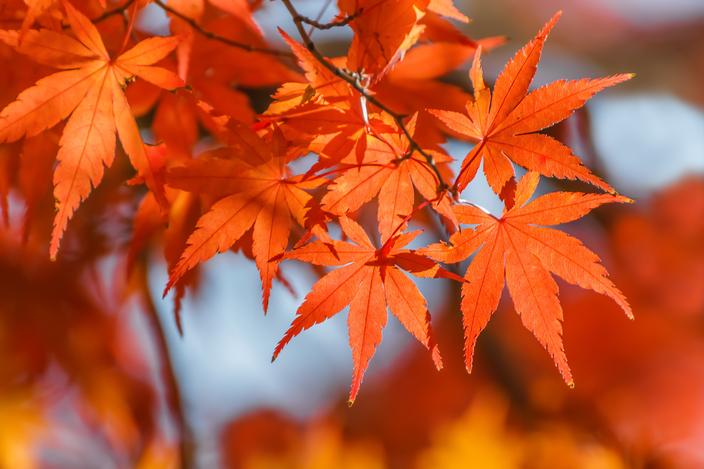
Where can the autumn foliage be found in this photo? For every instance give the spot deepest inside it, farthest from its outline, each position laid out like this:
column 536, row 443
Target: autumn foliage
column 370, row 126
column 115, row 141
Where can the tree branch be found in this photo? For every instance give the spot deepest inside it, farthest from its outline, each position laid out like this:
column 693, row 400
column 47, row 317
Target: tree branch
column 115, row 11
column 332, row 24
column 357, row 85
column 168, row 375
column 216, row 37
column 107, row 14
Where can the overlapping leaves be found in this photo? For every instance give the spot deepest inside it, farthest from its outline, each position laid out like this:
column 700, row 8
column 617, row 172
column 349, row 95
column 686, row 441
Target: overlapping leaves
column 90, row 91
column 364, row 121
column 515, row 249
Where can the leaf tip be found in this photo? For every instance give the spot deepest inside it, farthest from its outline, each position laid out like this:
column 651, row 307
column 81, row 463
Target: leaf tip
column 468, row 363
column 543, row 33
column 434, row 112
column 277, row 350
column 265, row 301
column 437, row 358
column 54, row 244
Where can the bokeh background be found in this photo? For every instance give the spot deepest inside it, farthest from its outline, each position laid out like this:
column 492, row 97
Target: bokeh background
column 84, row 380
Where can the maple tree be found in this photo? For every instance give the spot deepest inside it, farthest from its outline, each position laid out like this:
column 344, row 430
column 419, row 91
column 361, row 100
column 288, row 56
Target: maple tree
column 296, row 177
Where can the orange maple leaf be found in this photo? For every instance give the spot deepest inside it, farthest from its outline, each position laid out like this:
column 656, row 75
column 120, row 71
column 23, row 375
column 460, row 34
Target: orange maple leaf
column 410, row 85
column 370, row 280
column 257, row 191
column 90, row 90
column 504, row 123
column 514, row 248
column 391, row 171
column 383, row 32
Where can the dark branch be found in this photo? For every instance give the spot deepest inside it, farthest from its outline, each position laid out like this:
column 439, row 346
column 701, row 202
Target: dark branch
column 332, row 24
column 216, row 37
column 108, row 13
column 169, row 378
column 115, row 11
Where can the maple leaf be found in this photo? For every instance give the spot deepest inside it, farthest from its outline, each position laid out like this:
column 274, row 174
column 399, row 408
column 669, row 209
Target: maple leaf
column 504, row 123
column 177, row 117
column 516, row 248
column 414, row 83
column 369, row 281
column 383, row 32
column 257, row 191
column 35, row 8
column 90, row 90
column 391, row 171
column 320, row 79
column 410, row 85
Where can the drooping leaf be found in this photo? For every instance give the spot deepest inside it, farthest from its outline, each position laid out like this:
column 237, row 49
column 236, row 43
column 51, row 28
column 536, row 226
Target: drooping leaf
column 515, row 249
column 370, row 280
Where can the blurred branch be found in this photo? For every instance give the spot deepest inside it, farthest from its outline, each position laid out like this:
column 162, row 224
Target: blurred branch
column 168, row 376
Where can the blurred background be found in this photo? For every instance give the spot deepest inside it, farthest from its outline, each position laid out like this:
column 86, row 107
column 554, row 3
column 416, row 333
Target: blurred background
column 86, row 381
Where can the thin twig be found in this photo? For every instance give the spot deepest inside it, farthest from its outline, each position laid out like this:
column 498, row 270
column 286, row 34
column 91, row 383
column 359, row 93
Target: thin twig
column 332, row 24
column 107, row 14
column 115, row 11
column 322, row 11
column 216, row 37
column 357, row 85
